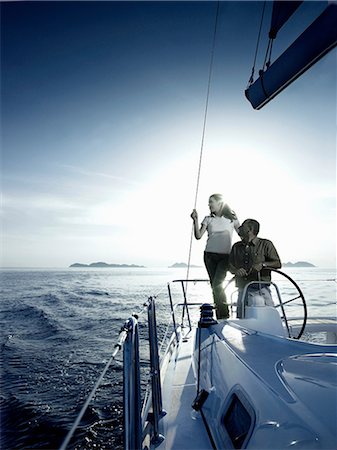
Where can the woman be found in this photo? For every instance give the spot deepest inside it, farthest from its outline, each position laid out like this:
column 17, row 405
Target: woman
column 219, row 225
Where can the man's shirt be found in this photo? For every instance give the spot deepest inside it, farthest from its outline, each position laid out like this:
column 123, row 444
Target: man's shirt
column 247, row 255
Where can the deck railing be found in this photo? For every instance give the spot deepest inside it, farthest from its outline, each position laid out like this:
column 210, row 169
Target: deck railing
column 185, row 304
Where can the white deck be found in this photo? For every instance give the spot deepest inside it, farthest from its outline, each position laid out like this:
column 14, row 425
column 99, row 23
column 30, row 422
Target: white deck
column 182, row 427
column 278, row 375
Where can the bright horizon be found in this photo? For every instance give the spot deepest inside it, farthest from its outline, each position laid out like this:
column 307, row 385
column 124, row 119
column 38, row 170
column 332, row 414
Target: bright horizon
column 102, row 111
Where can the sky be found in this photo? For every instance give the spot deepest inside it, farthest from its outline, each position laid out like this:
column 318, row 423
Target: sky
column 102, row 115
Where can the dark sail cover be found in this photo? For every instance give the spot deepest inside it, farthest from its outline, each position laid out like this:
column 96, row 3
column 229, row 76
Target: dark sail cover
column 282, row 10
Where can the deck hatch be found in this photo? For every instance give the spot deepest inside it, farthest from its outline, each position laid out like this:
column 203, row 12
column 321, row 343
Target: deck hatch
column 238, row 421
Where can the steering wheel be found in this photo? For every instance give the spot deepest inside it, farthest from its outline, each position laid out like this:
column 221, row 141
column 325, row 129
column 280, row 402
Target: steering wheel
column 299, row 295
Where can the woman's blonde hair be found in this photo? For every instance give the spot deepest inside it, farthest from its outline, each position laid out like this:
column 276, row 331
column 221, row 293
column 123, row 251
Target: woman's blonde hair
column 226, row 210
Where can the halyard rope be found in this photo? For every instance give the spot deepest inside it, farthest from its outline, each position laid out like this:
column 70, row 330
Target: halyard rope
column 203, row 131
column 251, row 79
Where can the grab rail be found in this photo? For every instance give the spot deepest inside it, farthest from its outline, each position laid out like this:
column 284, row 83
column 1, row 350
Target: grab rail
column 131, row 392
column 157, row 408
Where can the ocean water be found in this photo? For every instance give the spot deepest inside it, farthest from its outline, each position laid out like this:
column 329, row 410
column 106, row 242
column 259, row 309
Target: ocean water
column 59, row 328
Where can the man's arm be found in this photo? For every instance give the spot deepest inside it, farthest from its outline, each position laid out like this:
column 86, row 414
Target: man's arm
column 272, row 258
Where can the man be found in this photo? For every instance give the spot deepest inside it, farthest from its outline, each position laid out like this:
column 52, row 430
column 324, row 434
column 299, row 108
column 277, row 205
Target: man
column 249, row 260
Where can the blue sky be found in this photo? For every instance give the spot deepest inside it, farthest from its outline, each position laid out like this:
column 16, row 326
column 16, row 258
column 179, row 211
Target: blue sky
column 102, row 112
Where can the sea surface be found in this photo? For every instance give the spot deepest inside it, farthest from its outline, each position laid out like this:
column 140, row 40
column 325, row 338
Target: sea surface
column 59, row 328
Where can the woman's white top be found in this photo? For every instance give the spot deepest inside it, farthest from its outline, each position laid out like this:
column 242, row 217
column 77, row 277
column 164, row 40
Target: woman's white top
column 220, row 232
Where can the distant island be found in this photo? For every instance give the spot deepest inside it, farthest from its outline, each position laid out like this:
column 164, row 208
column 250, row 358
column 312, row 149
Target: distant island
column 103, row 264
column 176, row 265
column 181, row 266
column 288, row 264
column 298, row 264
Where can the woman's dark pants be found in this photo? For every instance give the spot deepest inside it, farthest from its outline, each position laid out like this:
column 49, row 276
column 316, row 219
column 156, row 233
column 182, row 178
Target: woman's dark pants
column 217, row 266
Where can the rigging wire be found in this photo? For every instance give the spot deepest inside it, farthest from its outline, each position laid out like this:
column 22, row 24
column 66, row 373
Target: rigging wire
column 118, row 346
column 204, row 130
column 270, row 53
column 267, row 59
column 251, row 79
